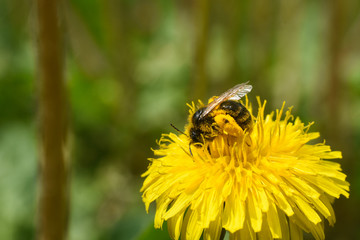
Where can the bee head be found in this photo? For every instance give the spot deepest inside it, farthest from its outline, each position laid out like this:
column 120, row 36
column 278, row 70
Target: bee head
column 196, row 135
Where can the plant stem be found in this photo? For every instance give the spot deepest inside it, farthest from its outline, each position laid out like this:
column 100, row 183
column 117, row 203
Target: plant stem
column 53, row 208
column 222, row 235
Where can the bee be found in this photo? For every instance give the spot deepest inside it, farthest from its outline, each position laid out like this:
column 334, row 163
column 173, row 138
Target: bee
column 203, row 126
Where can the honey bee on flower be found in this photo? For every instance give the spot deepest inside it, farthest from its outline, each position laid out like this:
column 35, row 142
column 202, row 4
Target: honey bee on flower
column 261, row 180
column 203, row 125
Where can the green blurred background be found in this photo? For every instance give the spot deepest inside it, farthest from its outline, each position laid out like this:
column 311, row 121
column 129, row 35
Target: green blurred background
column 131, row 66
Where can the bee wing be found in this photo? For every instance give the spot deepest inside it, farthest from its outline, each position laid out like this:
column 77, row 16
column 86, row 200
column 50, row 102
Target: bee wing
column 240, row 91
column 235, row 93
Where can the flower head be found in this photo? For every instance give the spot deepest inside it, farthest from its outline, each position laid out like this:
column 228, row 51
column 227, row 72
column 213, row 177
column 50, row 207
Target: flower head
column 267, row 182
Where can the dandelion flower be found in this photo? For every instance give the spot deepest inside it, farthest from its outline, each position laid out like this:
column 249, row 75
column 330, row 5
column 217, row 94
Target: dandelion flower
column 267, row 183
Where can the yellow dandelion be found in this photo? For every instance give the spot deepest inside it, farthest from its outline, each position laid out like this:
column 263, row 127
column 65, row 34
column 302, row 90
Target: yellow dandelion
column 267, row 183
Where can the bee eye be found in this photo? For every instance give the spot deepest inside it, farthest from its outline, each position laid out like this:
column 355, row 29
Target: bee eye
column 197, row 115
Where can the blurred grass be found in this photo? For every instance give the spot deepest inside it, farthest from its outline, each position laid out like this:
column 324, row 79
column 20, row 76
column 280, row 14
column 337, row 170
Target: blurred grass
column 130, row 70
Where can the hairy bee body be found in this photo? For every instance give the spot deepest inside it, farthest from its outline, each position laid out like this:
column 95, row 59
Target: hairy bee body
column 205, row 128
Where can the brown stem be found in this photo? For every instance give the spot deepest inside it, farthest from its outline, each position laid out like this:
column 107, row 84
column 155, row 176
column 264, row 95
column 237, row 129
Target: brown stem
column 336, row 29
column 53, row 215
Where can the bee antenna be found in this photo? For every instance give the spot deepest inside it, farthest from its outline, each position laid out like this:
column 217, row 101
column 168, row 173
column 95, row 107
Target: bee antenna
column 184, row 134
column 177, row 129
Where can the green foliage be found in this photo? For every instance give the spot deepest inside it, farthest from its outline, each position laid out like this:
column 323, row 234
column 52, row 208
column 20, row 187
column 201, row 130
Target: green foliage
column 130, row 70
column 152, row 233
column 18, row 174
column 91, row 13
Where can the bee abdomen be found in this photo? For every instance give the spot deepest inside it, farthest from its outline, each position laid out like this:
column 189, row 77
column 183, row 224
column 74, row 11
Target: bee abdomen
column 244, row 119
column 236, row 110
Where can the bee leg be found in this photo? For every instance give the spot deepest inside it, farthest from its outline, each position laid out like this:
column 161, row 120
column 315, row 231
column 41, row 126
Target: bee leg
column 190, row 149
column 208, row 148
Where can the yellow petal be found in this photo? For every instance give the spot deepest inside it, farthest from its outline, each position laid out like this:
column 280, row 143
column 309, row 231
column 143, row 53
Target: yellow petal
column 181, row 203
column 265, row 233
column 209, row 208
column 284, row 225
column 326, row 201
column 255, row 213
column 309, row 212
column 234, row 214
column 273, row 221
column 191, row 229
column 283, row 203
column 321, row 207
column 328, row 186
column 245, row 233
column 161, row 206
column 214, row 230
column 174, row 225
column 318, row 231
column 303, row 187
column 263, row 199
column 295, row 232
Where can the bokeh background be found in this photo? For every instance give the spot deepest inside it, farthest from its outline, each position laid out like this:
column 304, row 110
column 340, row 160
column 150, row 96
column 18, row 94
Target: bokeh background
column 131, row 67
